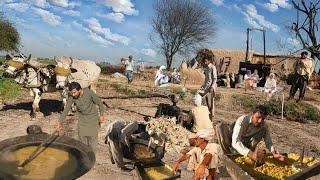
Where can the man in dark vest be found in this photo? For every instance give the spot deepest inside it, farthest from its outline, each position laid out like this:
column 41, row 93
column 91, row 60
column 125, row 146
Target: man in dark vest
column 244, row 135
column 208, row 89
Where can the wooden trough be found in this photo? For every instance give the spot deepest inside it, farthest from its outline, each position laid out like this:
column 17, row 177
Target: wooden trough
column 236, row 172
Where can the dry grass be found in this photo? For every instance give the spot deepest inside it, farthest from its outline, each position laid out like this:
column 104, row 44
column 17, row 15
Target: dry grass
column 191, row 76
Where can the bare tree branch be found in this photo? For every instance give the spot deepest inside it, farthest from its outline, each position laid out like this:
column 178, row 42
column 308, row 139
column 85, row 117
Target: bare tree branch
column 180, row 26
column 309, row 28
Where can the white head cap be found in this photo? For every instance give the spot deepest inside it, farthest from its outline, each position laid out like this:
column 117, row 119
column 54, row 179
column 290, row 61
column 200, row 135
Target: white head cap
column 206, row 134
column 162, row 68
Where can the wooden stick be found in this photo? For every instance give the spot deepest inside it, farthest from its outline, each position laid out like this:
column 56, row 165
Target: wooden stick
column 282, row 106
column 36, row 152
column 136, row 96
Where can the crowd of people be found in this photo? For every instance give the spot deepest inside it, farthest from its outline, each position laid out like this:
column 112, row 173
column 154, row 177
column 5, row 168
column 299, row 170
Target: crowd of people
column 207, row 142
column 162, row 78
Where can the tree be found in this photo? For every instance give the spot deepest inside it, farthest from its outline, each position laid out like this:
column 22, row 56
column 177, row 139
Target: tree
column 9, row 36
column 180, row 26
column 307, row 32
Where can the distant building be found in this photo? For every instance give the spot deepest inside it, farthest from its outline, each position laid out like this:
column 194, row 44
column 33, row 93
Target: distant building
column 280, row 64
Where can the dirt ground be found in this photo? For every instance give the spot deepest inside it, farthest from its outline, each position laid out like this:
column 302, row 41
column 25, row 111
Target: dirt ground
column 288, row 136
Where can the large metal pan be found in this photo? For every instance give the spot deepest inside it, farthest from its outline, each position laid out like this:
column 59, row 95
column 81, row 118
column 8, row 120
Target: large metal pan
column 83, row 155
column 157, row 152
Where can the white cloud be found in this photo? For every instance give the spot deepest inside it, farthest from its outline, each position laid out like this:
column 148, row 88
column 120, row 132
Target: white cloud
column 293, row 42
column 94, row 26
column 93, row 35
column 39, row 3
column 217, row 2
column 256, row 20
column 98, row 39
column 236, row 8
column 116, row 17
column 23, row 23
column 77, row 25
column 281, row 3
column 71, row 12
column 20, row 7
column 274, row 5
column 271, row 7
column 149, row 52
column 73, row 4
column 252, row 22
column 69, row 44
column 53, row 38
column 60, row 3
column 123, row 6
column 47, row 16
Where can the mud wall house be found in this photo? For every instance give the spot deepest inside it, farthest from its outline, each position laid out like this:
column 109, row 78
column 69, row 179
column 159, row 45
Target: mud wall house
column 280, row 64
column 235, row 56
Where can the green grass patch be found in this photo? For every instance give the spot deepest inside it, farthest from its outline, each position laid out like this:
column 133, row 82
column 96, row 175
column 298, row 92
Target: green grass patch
column 142, row 92
column 117, row 87
column 182, row 94
column 130, row 92
column 8, row 89
column 246, row 102
column 293, row 111
column 2, row 59
column 46, row 61
column 126, row 90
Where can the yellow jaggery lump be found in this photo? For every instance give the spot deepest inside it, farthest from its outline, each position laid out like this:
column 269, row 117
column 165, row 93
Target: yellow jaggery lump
column 50, row 164
column 272, row 168
column 158, row 173
column 309, row 161
column 142, row 152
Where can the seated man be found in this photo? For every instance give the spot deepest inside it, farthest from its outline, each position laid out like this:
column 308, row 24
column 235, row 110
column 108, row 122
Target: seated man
column 118, row 135
column 162, row 77
column 270, row 87
column 175, row 77
column 245, row 134
column 204, row 158
column 192, row 138
column 248, row 80
column 200, row 115
column 255, row 77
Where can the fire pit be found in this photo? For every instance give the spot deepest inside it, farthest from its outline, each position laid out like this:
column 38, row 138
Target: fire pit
column 64, row 158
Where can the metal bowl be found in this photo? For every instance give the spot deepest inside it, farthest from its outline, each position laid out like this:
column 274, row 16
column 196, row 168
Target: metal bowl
column 156, row 152
column 82, row 155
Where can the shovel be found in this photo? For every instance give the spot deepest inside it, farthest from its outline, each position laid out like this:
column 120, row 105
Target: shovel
column 36, row 152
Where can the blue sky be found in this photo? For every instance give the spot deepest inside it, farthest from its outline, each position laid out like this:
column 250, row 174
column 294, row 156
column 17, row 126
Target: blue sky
column 106, row 30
